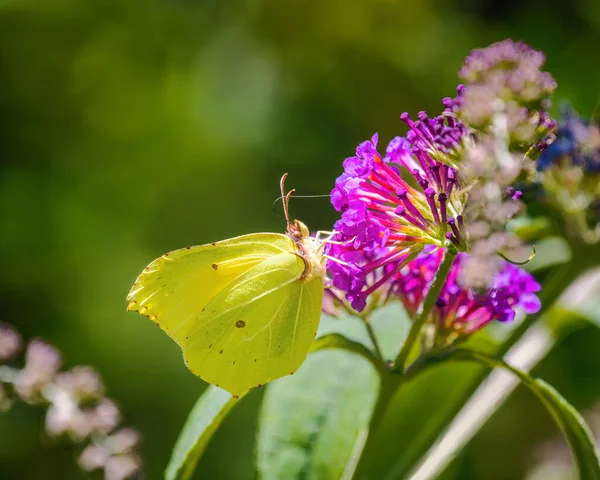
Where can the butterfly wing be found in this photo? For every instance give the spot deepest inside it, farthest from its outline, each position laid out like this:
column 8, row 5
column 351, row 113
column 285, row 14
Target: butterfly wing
column 258, row 328
column 173, row 289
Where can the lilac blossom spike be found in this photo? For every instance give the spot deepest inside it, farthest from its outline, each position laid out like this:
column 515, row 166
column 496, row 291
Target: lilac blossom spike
column 506, row 76
column 515, row 64
column 386, row 219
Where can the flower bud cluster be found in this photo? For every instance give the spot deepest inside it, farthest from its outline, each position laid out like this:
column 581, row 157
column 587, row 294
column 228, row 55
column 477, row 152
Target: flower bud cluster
column 507, row 76
column 569, row 172
column 77, row 408
column 503, row 101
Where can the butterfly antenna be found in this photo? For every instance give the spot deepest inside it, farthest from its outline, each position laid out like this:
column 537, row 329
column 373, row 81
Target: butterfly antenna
column 286, row 198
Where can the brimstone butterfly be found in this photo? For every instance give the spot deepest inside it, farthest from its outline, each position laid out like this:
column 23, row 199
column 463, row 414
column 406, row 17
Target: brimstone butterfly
column 244, row 310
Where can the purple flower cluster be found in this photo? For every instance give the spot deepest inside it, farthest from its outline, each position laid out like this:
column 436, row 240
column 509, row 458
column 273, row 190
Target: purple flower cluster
column 386, row 221
column 431, row 136
column 514, row 68
column 76, row 406
column 447, row 184
column 464, row 310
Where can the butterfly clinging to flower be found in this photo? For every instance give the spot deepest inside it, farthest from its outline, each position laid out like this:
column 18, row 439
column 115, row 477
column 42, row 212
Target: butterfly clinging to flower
column 244, row 310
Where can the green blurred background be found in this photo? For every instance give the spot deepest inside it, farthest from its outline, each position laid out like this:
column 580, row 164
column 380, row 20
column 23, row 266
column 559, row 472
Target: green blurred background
column 131, row 128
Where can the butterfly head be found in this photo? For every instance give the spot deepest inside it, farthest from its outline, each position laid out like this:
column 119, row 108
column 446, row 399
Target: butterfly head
column 298, row 231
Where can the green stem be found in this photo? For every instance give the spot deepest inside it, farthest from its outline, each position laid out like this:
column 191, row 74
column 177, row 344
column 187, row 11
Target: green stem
column 390, row 380
column 387, row 390
column 425, row 310
column 367, row 322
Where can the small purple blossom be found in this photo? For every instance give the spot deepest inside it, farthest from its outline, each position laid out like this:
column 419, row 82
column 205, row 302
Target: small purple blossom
column 82, row 382
column 464, row 310
column 431, row 136
column 42, row 363
column 114, row 454
column 10, row 342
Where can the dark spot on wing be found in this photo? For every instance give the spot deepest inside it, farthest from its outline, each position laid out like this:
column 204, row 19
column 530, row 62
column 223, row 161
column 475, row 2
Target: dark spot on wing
column 187, row 338
column 221, row 352
column 210, row 346
column 259, row 385
column 255, row 360
column 213, row 244
column 237, row 397
column 187, row 248
column 215, row 266
column 204, row 309
column 240, row 324
column 234, row 362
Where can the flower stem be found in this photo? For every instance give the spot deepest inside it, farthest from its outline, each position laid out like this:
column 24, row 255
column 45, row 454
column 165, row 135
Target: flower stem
column 367, row 322
column 387, row 389
column 425, row 310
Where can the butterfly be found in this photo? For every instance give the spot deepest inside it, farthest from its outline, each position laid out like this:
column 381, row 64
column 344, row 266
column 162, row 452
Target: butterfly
column 245, row 310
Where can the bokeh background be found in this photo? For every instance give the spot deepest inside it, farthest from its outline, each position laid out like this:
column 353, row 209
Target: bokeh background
column 131, row 128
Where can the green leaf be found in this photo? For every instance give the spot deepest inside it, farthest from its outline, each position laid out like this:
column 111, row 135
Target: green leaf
column 562, row 321
column 566, row 416
column 313, row 424
column 531, row 229
column 204, row 419
column 339, row 341
column 390, row 323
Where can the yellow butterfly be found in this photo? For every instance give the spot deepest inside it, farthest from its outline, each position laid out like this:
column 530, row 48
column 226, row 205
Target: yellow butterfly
column 244, row 310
